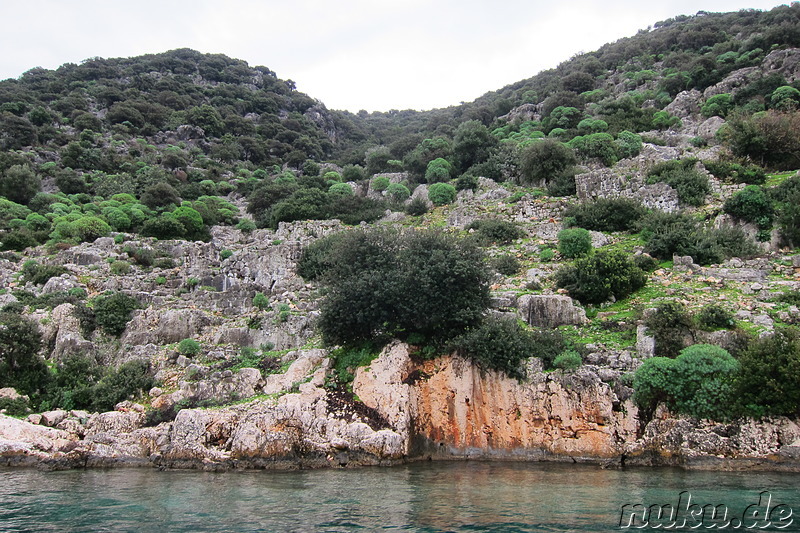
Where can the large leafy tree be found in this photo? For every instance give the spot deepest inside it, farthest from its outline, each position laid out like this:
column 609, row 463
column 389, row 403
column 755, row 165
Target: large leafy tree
column 381, row 284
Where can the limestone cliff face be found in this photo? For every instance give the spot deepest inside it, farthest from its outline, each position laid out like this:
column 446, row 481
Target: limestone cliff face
column 450, row 408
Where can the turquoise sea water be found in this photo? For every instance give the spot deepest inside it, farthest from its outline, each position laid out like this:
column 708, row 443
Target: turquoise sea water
column 424, row 497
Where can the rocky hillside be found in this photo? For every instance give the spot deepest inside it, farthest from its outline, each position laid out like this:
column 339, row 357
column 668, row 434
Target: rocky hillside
column 153, row 310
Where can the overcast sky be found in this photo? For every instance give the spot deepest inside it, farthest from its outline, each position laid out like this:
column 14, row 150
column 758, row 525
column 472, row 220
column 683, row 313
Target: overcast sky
column 350, row 54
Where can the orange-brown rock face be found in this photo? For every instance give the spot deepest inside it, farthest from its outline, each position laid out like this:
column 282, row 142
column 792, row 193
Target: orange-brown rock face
column 454, row 409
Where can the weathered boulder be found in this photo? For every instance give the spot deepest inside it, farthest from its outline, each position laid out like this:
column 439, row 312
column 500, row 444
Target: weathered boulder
column 550, row 310
column 306, row 361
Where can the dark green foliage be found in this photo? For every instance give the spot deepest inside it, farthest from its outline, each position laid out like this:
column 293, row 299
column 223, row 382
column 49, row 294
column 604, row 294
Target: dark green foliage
column 417, row 207
column 699, row 383
column 123, row 383
column 595, row 146
column 495, row 231
column 646, row 262
column 713, row 317
column 735, row 172
column 562, row 185
column 189, row 347
column 397, row 192
column 472, row 144
column 771, row 139
column 628, row 144
column 507, row 265
column 501, row 344
column 19, row 184
column 438, row 170
column 441, row 193
column 20, row 364
column 160, row 195
column 466, row 182
column 596, row 278
column 568, row 360
column 260, row 301
column 546, row 161
column 39, row 274
column 574, row 242
column 751, row 204
column 164, row 226
column 669, row 234
column 769, row 382
column 113, row 311
column 379, row 283
column 670, row 324
column 692, row 186
column 717, row 105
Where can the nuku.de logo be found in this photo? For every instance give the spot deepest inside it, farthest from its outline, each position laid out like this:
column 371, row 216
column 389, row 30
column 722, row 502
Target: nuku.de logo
column 687, row 515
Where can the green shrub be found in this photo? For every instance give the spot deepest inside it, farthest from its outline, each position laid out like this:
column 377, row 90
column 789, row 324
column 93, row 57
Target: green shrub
column 260, row 301
column 598, row 277
column 713, row 317
column 607, row 214
column 751, row 204
column 769, row 381
column 225, row 254
column 562, row 185
column 165, row 226
column 628, row 144
column 645, row 262
column 38, row 274
column 699, row 383
column 547, row 255
column 568, row 360
column 120, row 268
column 189, row 347
column 340, row 189
column 544, row 161
column 438, row 170
column 383, row 284
column 574, row 243
column 284, row 311
column 113, row 311
column 20, row 364
column 123, row 383
column 717, row 105
column 417, row 207
column 380, row 183
column 397, row 192
column 670, row 325
column 669, row 234
column 595, row 146
column 441, row 193
column 692, row 186
column 729, row 171
column 347, row 359
column 501, row 344
column 507, row 265
column 246, row 225
column 495, row 231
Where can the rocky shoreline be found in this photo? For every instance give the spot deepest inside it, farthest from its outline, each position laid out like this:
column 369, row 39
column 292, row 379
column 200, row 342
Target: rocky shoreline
column 441, row 409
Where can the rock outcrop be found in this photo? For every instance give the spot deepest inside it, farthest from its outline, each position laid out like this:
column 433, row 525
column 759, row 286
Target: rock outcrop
column 446, row 408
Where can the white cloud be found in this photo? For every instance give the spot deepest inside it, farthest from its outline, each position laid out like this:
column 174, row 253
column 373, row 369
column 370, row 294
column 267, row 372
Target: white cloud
column 351, row 54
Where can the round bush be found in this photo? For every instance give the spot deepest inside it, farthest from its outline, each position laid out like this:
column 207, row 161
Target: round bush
column 568, row 360
column 441, row 193
column 598, row 277
column 574, row 242
column 189, row 347
column 380, row 183
column 397, row 192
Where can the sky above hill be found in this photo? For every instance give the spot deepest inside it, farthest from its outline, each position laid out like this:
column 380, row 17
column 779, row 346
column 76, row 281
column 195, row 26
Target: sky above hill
column 350, row 54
